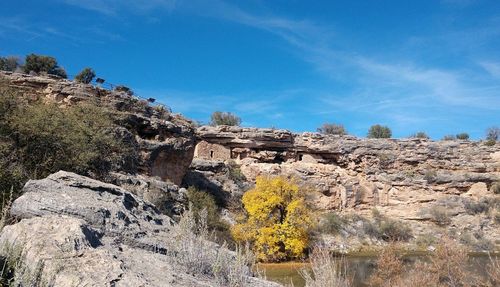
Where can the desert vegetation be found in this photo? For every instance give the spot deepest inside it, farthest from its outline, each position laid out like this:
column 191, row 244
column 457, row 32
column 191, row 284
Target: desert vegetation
column 379, row 132
column 332, row 129
column 194, row 251
column 325, row 270
column 420, row 135
column 224, row 119
column 85, row 76
column 37, row 139
column 9, row 64
column 446, row 266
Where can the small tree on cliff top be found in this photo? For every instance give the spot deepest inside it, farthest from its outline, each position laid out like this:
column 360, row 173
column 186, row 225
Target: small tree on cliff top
column 277, row 221
column 224, row 118
column 43, row 64
column 332, row 129
column 85, row 76
column 379, row 132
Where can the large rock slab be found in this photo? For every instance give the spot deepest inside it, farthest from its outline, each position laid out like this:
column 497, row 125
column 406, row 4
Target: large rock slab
column 76, row 231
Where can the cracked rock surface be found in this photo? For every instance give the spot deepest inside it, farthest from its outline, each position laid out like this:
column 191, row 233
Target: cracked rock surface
column 83, row 232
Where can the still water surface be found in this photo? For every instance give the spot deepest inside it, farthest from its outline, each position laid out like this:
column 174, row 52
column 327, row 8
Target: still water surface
column 361, row 267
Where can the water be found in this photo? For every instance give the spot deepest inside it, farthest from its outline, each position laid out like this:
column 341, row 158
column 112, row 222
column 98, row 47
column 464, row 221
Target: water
column 361, row 265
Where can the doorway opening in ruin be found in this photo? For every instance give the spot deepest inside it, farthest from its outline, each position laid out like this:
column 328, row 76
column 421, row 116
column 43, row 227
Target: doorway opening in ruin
column 211, row 154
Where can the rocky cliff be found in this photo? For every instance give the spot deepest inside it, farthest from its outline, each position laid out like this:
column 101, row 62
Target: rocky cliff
column 164, row 141
column 432, row 187
column 407, row 179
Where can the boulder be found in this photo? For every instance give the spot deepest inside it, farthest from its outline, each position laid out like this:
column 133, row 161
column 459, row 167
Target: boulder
column 76, row 231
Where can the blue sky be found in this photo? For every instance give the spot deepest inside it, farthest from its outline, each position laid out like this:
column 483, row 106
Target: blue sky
column 430, row 66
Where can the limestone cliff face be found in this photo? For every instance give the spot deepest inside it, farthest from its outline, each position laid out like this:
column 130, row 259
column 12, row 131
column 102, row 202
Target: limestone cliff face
column 404, row 178
column 164, row 141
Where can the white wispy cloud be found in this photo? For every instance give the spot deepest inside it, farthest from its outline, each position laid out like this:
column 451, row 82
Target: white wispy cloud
column 113, row 7
column 493, row 68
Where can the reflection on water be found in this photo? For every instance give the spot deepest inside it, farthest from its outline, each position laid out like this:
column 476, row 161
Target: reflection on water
column 360, row 267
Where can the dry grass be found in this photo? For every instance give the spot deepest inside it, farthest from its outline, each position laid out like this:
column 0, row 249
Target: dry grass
column 16, row 272
column 192, row 250
column 326, row 271
column 493, row 271
column 446, row 267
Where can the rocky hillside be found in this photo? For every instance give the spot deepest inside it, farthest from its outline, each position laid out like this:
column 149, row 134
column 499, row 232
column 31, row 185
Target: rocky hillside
column 367, row 188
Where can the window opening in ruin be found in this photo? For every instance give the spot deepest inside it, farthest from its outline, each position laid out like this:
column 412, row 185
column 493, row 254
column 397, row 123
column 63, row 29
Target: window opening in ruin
column 211, row 154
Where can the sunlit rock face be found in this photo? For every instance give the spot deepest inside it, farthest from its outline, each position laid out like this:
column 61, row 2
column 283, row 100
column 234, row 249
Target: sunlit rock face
column 403, row 178
column 163, row 143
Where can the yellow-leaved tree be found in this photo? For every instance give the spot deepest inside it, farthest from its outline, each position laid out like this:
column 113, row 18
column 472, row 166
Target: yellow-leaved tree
column 277, row 219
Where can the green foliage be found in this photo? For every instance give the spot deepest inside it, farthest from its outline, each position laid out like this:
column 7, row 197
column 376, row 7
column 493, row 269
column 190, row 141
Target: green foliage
column 449, row 138
column 463, row 136
column 483, row 205
column 379, row 132
column 234, row 172
column 425, row 240
column 386, row 229
column 490, row 142
column 37, row 139
column 85, row 76
column 420, row 135
column 201, row 200
column 430, row 175
column 392, row 230
column 43, row 64
column 9, row 63
column 495, row 187
column 50, row 138
column 440, row 215
column 224, row 119
column 332, row 223
column 332, row 129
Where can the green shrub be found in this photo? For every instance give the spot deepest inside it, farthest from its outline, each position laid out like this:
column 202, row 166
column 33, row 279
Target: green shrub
column 430, row 175
column 379, row 132
column 332, row 129
column 449, row 138
column 426, row 240
column 495, row 188
column 439, row 215
column 420, row 135
column 85, row 76
column 463, row 136
column 392, row 230
column 38, row 139
column 43, row 64
column 234, row 172
column 201, row 200
column 9, row 64
column 77, row 138
column 224, row 119
column 59, row 71
column 481, row 206
column 386, row 229
column 489, row 143
column 332, row 223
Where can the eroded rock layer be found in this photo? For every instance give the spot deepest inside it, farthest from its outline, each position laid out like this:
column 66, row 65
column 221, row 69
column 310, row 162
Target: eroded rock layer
column 404, row 178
